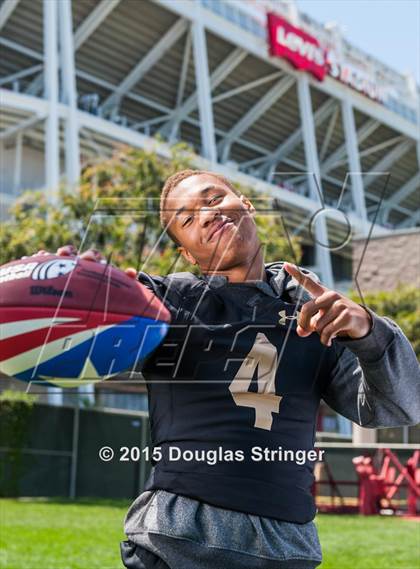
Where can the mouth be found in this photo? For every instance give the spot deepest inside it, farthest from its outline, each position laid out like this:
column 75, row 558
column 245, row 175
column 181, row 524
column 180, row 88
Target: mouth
column 218, row 227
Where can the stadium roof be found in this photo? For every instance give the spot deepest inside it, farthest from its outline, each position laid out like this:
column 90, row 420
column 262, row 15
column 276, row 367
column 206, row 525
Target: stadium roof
column 135, row 67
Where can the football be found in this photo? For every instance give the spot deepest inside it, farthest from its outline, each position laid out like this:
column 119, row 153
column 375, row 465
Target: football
column 66, row 321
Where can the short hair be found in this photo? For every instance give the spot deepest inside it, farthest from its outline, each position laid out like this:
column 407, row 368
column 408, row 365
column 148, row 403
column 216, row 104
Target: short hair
column 176, row 179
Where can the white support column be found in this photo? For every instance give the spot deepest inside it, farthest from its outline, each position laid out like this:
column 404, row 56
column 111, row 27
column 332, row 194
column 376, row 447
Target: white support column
column 68, row 78
column 208, row 141
column 52, row 139
column 112, row 103
column 181, row 86
column 52, row 146
column 323, row 258
column 352, row 148
column 217, row 76
column 17, row 174
column 253, row 114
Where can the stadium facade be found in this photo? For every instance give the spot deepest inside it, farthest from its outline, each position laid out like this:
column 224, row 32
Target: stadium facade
column 263, row 93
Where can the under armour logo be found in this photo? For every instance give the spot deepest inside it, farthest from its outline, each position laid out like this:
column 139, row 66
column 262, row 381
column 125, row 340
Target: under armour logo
column 284, row 317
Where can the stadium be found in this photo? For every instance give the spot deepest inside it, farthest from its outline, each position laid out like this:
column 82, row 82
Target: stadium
column 264, row 95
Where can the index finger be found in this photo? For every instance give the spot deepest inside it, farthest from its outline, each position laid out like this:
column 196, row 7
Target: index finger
column 92, row 255
column 308, row 283
column 66, row 251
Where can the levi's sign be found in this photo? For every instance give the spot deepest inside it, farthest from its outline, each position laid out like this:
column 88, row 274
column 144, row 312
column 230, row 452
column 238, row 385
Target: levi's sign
column 295, row 45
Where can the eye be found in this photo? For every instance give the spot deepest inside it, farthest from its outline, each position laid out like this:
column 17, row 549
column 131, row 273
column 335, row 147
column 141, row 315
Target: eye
column 214, row 198
column 187, row 221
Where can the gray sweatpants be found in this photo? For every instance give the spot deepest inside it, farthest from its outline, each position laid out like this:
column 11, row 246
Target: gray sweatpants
column 167, row 530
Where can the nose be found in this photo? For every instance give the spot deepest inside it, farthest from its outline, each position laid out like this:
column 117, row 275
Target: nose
column 207, row 216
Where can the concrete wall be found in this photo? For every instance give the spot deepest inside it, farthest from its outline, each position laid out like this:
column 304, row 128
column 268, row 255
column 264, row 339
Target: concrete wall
column 388, row 260
column 32, row 174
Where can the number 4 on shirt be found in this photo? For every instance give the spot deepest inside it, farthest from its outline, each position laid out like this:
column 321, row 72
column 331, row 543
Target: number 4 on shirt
column 263, row 356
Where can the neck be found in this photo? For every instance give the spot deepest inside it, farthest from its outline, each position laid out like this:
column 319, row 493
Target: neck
column 251, row 270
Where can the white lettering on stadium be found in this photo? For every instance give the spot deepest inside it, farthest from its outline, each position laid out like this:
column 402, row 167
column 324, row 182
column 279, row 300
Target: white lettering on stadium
column 297, row 44
column 300, row 44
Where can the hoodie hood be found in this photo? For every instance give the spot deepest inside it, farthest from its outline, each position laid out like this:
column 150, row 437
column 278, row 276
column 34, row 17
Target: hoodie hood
column 287, row 286
column 278, row 282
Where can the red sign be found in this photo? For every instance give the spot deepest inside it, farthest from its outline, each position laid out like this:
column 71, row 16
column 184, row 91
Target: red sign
column 295, row 45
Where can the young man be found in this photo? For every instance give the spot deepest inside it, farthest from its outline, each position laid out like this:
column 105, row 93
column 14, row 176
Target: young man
column 238, row 381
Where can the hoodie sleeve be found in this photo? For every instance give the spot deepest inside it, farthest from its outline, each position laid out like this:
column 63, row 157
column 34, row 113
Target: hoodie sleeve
column 375, row 380
column 162, row 289
column 171, row 290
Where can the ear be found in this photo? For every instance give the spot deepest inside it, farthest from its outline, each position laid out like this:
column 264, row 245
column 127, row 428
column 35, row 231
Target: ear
column 248, row 204
column 187, row 255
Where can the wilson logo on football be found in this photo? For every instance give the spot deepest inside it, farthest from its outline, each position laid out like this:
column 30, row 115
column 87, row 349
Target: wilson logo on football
column 52, row 269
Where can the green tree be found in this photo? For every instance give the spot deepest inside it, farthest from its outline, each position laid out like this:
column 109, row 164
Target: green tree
column 402, row 305
column 115, row 209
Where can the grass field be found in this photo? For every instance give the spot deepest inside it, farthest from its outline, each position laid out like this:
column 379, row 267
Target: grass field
column 86, row 534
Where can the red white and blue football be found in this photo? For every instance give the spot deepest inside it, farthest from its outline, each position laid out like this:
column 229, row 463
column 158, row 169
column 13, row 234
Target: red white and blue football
column 67, row 322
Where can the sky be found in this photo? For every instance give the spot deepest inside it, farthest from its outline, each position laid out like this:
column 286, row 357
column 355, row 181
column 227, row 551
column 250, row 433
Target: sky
column 387, row 29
